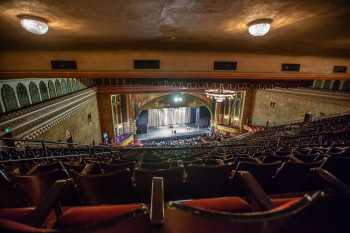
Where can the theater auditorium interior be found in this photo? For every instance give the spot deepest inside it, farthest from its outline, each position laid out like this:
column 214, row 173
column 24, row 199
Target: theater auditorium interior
column 174, row 116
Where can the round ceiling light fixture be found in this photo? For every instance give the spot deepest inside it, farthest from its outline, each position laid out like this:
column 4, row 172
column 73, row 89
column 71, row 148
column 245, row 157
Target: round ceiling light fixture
column 34, row 24
column 259, row 27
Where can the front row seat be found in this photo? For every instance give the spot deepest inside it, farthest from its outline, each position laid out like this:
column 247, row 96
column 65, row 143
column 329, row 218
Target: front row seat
column 128, row 218
column 234, row 214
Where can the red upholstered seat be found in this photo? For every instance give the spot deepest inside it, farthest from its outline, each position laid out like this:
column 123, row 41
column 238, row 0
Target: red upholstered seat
column 16, row 214
column 283, row 203
column 226, row 204
column 24, row 215
column 9, row 226
column 236, row 204
column 79, row 216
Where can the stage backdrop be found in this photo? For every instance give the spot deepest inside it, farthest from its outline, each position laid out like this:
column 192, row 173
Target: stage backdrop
column 169, row 116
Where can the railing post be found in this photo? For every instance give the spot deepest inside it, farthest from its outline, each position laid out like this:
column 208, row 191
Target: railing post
column 44, row 149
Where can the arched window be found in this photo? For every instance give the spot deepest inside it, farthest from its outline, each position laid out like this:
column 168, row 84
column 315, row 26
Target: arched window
column 43, row 91
column 64, row 86
column 52, row 90
column 58, row 87
column 9, row 98
column 80, row 85
column 327, row 84
column 74, row 85
column 69, row 85
column 346, row 86
column 336, row 85
column 34, row 93
column 22, row 94
column 237, row 108
column 318, row 84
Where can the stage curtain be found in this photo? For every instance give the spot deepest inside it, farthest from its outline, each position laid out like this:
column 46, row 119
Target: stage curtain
column 169, row 116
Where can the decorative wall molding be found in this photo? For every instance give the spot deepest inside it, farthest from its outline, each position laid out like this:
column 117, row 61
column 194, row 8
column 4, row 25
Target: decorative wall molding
column 329, row 95
column 39, row 120
column 176, row 75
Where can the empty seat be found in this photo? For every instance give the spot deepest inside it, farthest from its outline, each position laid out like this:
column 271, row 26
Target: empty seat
column 75, row 166
column 107, row 188
column 338, row 166
column 9, row 197
column 130, row 218
column 42, row 213
column 34, row 187
column 293, row 177
column 232, row 214
column 41, row 168
column 207, row 181
column 113, row 167
column 262, row 172
column 163, row 165
column 173, row 182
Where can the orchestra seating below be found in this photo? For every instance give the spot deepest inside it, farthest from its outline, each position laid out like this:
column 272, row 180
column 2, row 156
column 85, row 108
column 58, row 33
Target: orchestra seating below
column 265, row 182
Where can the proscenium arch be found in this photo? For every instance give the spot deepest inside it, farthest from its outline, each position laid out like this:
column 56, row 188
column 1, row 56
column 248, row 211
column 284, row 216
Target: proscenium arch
column 202, row 99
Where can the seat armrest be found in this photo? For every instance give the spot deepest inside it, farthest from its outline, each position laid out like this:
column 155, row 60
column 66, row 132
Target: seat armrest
column 331, row 181
column 255, row 191
column 157, row 202
column 294, row 159
column 50, row 202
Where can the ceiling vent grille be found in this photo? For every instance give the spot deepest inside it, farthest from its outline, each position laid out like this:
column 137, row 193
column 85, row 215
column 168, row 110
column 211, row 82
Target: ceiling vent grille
column 63, row 65
column 290, row 67
column 340, row 69
column 225, row 65
column 146, row 64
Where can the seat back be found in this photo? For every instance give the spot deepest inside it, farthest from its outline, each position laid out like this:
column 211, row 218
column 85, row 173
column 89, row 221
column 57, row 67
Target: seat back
column 263, row 172
column 49, row 202
column 78, row 167
column 232, row 216
column 173, row 179
column 108, row 188
column 34, row 187
column 129, row 218
column 207, row 181
column 338, row 166
column 41, row 168
column 113, row 167
column 162, row 165
column 292, row 177
column 9, row 197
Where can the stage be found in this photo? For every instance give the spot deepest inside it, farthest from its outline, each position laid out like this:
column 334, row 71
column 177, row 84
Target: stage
column 165, row 132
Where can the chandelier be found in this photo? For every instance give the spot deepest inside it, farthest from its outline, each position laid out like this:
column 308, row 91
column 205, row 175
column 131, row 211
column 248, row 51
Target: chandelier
column 34, row 24
column 259, row 27
column 219, row 95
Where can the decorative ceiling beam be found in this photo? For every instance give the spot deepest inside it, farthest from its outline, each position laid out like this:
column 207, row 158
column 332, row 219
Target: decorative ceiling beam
column 175, row 74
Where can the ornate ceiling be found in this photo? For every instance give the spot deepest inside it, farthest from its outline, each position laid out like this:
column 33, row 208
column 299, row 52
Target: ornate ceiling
column 300, row 27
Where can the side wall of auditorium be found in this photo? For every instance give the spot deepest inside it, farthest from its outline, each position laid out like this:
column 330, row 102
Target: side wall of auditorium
column 84, row 125
column 280, row 106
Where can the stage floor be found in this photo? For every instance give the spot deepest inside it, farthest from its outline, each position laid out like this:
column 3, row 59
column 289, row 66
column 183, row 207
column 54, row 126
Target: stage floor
column 166, row 132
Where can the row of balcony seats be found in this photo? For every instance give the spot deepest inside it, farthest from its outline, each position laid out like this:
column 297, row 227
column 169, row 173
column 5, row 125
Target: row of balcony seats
column 124, row 181
column 318, row 211
column 324, row 131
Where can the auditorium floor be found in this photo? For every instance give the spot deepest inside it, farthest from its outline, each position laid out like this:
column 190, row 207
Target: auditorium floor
column 166, row 132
